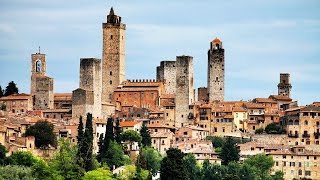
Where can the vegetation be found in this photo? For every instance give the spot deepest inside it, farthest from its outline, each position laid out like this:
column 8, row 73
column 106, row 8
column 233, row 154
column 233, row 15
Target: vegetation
column 3, row 152
column 145, row 134
column 259, row 131
column 149, row 159
column 272, row 128
column 98, row 174
column 11, row 89
column 105, row 143
column 43, row 133
column 193, row 169
column 172, row 166
column 117, row 132
column 1, row 92
column 229, row 151
column 14, row 172
column 131, row 136
column 22, row 158
column 114, row 156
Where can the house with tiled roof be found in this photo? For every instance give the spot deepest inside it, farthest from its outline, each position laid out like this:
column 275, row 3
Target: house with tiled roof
column 17, row 103
column 131, row 125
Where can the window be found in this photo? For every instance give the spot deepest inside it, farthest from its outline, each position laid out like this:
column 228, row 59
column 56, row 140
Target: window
column 111, row 37
column 284, row 156
column 300, row 164
column 284, row 163
column 167, row 114
column 277, row 164
column 185, row 133
column 308, row 173
column 110, row 82
column 305, row 122
column 110, row 73
column 154, row 141
column 300, row 172
column 217, row 78
column 254, row 127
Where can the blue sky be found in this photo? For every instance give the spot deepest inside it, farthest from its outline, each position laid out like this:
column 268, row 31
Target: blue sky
column 261, row 40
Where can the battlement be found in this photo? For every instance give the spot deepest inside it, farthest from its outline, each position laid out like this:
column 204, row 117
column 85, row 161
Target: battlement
column 143, row 81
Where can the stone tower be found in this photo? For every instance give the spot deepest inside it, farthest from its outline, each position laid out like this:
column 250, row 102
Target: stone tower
column 284, row 86
column 216, row 71
column 113, row 55
column 167, row 71
column 87, row 98
column 41, row 85
column 184, row 89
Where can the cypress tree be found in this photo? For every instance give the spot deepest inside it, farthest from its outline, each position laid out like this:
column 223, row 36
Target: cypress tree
column 11, row 89
column 145, row 134
column 101, row 151
column 118, row 131
column 88, row 144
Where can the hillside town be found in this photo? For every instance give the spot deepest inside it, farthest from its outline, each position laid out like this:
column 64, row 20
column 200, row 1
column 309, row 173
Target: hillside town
column 176, row 114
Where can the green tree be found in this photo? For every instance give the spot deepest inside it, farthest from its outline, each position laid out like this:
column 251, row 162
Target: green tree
column 117, row 132
column 145, row 134
column 131, row 136
column 23, row 158
column 109, row 136
column 14, row 172
column 193, row 169
column 217, row 142
column 3, row 152
column 3, row 106
column 272, row 128
column 114, row 155
column 262, row 163
column 43, row 133
column 64, row 163
column 259, row 131
column 98, row 174
column 131, row 172
column 172, row 166
column 1, row 91
column 41, row 170
column 229, row 151
column 278, row 175
column 81, row 148
column 87, row 143
column 149, row 159
column 11, row 89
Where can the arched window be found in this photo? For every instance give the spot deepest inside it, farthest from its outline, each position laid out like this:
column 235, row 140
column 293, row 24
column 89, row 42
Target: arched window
column 38, row 66
column 305, row 122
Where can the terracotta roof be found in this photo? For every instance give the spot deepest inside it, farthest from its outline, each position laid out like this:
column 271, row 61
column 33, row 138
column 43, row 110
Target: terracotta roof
column 128, row 123
column 167, row 96
column 100, row 121
column 158, row 125
column 264, row 100
column 21, row 96
column 55, row 110
column 196, row 128
column 216, row 40
column 136, row 89
column 253, row 105
column 239, row 109
column 161, row 134
column 62, row 96
column 229, row 116
column 310, row 108
column 289, row 152
column 280, row 97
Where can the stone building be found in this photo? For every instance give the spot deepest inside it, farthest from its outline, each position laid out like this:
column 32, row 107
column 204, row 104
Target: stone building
column 216, row 71
column 284, row 86
column 167, row 71
column 87, row 98
column 139, row 94
column 17, row 103
column 113, row 55
column 202, row 94
column 41, row 85
column 184, row 89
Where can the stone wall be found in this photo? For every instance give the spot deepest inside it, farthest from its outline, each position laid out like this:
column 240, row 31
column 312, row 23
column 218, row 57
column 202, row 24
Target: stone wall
column 202, row 94
column 167, row 71
column 113, row 55
column 43, row 97
column 184, row 89
column 37, row 58
column 216, row 72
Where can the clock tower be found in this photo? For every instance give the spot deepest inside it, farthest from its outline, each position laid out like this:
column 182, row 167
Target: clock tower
column 38, row 68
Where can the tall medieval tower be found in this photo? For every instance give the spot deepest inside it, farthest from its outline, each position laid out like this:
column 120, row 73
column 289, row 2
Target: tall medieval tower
column 113, row 55
column 184, row 90
column 41, row 85
column 216, row 71
column 284, row 86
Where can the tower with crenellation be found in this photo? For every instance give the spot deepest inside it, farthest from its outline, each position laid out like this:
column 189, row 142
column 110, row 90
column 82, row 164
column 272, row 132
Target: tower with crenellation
column 284, row 86
column 216, row 71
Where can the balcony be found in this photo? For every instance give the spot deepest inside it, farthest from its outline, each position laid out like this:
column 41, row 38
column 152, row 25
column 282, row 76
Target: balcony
column 305, row 135
column 293, row 135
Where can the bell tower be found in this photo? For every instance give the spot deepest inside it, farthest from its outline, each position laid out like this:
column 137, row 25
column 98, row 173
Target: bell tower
column 216, row 71
column 38, row 68
column 113, row 55
column 284, row 86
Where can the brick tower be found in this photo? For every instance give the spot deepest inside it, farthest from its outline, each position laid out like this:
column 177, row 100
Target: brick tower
column 113, row 55
column 216, row 71
column 284, row 86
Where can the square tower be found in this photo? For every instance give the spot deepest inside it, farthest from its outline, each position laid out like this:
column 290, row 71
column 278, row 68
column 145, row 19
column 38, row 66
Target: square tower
column 216, row 71
column 284, row 86
column 113, row 55
column 167, row 71
column 87, row 98
column 184, row 89
column 41, row 85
